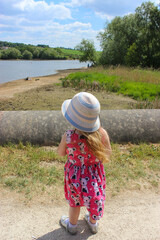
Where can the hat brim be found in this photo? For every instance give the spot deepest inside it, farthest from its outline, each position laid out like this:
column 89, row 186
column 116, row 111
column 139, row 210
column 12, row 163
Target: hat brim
column 80, row 125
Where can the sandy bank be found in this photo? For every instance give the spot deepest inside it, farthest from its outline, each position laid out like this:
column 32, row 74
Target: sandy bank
column 7, row 90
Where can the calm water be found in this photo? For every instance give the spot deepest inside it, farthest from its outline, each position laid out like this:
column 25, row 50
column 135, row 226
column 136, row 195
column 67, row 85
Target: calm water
column 13, row 70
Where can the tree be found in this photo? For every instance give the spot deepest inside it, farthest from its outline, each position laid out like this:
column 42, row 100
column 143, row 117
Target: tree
column 49, row 53
column 27, row 55
column 116, row 39
column 43, row 45
column 133, row 39
column 14, row 53
column 11, row 53
column 148, row 25
column 36, row 53
column 132, row 56
column 88, row 50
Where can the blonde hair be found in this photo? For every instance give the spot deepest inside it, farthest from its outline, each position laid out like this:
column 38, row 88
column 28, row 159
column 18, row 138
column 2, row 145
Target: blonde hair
column 95, row 145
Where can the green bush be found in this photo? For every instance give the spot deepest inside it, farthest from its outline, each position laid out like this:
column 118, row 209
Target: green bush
column 101, row 81
column 27, row 55
column 11, row 53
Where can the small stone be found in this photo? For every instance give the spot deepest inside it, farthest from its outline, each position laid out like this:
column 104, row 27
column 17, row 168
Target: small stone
column 28, row 79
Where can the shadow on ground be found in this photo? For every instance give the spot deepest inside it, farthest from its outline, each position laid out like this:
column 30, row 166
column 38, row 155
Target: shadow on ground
column 61, row 234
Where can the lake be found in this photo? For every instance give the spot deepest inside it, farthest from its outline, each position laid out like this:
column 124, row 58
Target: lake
column 12, row 70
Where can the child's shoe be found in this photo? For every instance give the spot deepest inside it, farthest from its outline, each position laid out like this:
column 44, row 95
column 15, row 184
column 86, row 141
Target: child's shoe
column 64, row 221
column 93, row 227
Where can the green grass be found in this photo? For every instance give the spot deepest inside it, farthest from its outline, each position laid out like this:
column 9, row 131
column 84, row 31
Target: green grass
column 71, row 51
column 133, row 163
column 22, row 167
column 32, row 168
column 138, row 90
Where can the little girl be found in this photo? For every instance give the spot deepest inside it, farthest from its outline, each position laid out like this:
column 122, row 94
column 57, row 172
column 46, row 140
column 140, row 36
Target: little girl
column 86, row 146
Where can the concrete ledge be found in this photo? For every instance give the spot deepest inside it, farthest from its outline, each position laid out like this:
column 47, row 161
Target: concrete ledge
column 47, row 127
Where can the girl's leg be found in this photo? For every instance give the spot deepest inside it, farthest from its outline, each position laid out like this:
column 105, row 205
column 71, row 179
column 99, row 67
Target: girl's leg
column 74, row 214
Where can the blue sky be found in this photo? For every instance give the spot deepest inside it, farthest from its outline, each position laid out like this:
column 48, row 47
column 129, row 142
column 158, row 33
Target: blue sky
column 59, row 23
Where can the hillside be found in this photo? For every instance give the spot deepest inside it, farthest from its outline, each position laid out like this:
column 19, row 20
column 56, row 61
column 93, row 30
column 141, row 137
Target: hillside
column 10, row 50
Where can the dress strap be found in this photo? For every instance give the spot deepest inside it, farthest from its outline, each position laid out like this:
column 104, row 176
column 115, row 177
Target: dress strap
column 69, row 134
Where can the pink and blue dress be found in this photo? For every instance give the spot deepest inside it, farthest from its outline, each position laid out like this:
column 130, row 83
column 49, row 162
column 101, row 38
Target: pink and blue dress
column 85, row 179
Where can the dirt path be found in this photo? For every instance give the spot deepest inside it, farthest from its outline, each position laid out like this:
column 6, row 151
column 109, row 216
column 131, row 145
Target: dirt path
column 129, row 216
column 7, row 90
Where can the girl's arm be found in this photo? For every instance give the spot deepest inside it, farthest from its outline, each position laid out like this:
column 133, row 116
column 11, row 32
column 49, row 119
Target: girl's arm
column 106, row 142
column 62, row 146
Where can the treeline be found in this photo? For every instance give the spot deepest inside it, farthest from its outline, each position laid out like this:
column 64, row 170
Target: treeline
column 134, row 39
column 10, row 50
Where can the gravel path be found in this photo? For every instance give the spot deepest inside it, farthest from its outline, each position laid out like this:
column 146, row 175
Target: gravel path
column 129, row 216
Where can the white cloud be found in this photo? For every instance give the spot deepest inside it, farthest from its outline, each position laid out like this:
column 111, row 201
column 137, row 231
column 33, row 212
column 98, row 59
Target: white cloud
column 104, row 16
column 26, row 5
column 73, row 38
column 37, row 21
column 4, row 17
column 48, row 32
column 35, row 9
column 77, row 25
column 42, row 9
column 109, row 7
column 157, row 2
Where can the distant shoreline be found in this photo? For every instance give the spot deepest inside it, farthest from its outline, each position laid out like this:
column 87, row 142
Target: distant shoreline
column 38, row 59
column 12, row 70
column 8, row 89
column 58, row 72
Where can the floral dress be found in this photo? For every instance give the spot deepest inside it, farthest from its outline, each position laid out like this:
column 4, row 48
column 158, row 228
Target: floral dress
column 84, row 176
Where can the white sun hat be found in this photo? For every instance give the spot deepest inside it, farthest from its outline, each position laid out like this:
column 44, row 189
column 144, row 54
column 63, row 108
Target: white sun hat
column 82, row 111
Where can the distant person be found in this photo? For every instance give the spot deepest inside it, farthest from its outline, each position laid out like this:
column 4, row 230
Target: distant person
column 86, row 146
